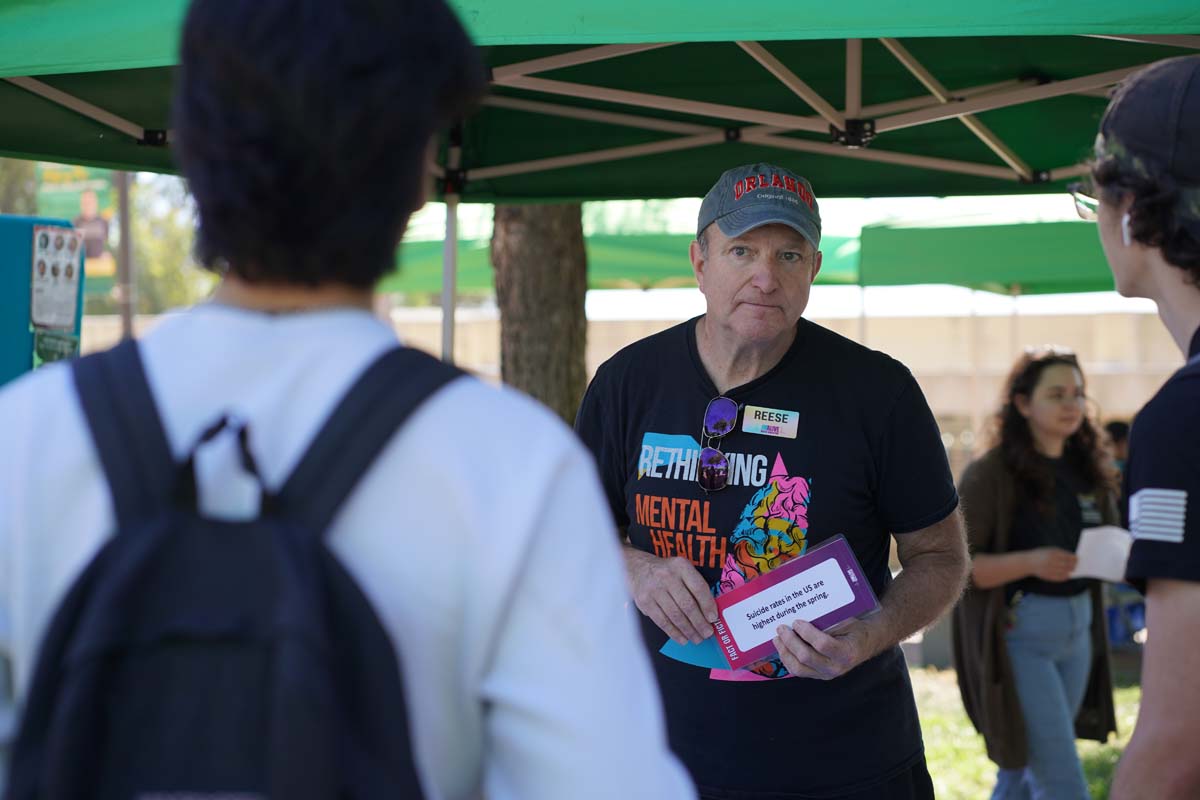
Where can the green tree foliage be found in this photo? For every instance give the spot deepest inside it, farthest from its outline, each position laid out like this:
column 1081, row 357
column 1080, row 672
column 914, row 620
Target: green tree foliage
column 18, row 186
column 163, row 226
column 165, row 275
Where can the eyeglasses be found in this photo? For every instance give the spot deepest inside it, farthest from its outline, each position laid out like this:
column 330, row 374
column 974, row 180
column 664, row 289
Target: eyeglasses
column 720, row 418
column 1086, row 204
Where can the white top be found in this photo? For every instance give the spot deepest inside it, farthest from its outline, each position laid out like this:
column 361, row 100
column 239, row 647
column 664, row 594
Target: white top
column 480, row 535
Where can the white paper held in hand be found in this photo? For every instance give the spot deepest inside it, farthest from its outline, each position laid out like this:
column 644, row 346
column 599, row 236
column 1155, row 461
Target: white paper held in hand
column 1102, row 553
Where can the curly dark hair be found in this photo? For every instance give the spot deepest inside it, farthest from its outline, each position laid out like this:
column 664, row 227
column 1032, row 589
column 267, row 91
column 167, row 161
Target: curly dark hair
column 303, row 127
column 1154, row 219
column 1085, row 450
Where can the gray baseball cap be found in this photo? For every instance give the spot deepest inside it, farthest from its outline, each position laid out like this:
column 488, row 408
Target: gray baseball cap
column 754, row 195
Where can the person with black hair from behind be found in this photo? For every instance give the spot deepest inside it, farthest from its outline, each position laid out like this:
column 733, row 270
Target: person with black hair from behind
column 1145, row 196
column 305, row 129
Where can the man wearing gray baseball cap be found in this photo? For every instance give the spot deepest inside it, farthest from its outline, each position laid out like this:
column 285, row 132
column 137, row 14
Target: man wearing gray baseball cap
column 742, row 439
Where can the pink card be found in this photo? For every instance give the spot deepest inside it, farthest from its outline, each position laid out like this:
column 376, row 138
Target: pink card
column 824, row 586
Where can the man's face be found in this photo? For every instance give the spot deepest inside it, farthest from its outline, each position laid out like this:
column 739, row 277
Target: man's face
column 88, row 204
column 755, row 285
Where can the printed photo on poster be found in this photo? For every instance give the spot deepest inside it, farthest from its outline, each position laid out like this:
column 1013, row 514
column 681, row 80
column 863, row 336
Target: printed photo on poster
column 54, row 280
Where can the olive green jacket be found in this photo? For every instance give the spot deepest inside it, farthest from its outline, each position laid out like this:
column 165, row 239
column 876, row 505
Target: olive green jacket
column 985, row 676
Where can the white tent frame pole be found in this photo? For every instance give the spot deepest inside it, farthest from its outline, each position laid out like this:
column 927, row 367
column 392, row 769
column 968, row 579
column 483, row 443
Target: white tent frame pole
column 935, row 87
column 925, row 101
column 571, row 59
column 599, row 156
column 1004, row 99
column 797, row 86
column 854, row 78
column 83, row 107
column 1190, row 42
column 662, row 103
column 765, row 135
column 1073, row 171
column 671, row 126
column 882, row 156
column 450, row 262
column 592, row 115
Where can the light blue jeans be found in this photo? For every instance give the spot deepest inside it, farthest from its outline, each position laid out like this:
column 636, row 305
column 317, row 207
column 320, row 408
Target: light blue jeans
column 1050, row 647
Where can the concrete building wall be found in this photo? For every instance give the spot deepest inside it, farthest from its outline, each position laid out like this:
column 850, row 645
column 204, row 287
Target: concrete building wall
column 960, row 362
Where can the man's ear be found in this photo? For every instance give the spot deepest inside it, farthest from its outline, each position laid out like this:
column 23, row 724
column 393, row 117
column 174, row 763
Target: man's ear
column 698, row 263
column 818, row 256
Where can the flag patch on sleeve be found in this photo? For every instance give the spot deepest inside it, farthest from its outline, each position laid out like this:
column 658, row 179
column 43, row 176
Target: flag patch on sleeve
column 1158, row 514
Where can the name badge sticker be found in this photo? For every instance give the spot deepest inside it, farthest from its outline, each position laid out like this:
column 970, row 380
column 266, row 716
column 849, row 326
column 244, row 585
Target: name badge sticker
column 770, row 421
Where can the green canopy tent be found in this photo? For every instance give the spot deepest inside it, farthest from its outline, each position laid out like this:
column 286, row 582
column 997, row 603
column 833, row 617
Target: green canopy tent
column 1025, row 258
column 632, row 261
column 877, row 98
column 613, row 99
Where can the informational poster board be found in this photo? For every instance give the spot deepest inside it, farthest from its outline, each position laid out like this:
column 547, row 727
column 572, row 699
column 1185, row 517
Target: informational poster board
column 41, row 292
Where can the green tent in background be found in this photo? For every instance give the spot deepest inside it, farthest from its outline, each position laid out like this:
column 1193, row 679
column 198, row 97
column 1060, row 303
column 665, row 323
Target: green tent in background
column 632, row 261
column 1027, row 258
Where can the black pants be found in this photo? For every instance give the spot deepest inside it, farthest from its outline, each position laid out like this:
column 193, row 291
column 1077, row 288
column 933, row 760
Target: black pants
column 912, row 784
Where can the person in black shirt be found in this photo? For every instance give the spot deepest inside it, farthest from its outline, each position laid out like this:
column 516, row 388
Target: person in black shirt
column 1026, row 627
column 740, row 439
column 1146, row 181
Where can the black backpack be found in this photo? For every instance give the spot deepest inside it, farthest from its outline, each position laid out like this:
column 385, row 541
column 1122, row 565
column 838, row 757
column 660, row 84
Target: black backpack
column 198, row 659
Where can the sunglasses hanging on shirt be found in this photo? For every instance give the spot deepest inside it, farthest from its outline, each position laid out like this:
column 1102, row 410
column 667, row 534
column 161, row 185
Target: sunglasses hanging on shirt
column 720, row 418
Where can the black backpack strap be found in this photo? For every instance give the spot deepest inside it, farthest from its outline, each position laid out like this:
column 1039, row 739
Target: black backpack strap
column 363, row 422
column 127, row 430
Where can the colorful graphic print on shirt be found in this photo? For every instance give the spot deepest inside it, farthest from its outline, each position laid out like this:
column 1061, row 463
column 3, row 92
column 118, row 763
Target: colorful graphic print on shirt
column 772, row 528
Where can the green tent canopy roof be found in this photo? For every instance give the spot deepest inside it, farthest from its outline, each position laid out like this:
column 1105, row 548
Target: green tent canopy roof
column 53, row 37
column 677, row 91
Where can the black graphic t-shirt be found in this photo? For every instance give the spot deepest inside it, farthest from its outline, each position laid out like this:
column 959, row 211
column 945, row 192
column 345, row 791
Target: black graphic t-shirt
column 1074, row 508
column 843, row 442
column 1162, row 480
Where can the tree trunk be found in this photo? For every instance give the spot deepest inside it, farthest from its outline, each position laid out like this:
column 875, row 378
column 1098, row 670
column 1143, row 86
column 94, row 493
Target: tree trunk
column 18, row 186
column 541, row 279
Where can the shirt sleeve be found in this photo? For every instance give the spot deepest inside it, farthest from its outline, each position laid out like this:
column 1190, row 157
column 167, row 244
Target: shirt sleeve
column 1163, row 485
column 914, row 486
column 598, row 424
column 574, row 711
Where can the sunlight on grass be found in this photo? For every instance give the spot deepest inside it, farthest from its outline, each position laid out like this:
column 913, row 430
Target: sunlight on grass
column 957, row 760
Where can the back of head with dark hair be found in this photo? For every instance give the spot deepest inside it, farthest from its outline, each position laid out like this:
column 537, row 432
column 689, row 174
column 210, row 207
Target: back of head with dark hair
column 1011, row 432
column 303, row 127
column 1118, row 430
column 1149, row 149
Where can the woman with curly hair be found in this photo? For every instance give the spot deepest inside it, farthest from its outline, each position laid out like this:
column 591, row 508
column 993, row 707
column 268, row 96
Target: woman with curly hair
column 1146, row 185
column 1030, row 643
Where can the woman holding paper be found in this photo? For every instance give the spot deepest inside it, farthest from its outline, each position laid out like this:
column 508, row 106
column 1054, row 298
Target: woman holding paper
column 1030, row 643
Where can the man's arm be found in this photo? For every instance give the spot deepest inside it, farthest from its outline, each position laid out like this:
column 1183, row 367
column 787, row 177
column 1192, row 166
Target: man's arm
column 1159, row 762
column 934, row 569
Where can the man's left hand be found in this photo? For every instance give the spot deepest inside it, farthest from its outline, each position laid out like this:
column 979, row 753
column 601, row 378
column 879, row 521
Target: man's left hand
column 808, row 652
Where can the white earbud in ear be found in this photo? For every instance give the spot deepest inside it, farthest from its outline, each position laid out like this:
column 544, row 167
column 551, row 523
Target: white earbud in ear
column 1126, row 236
